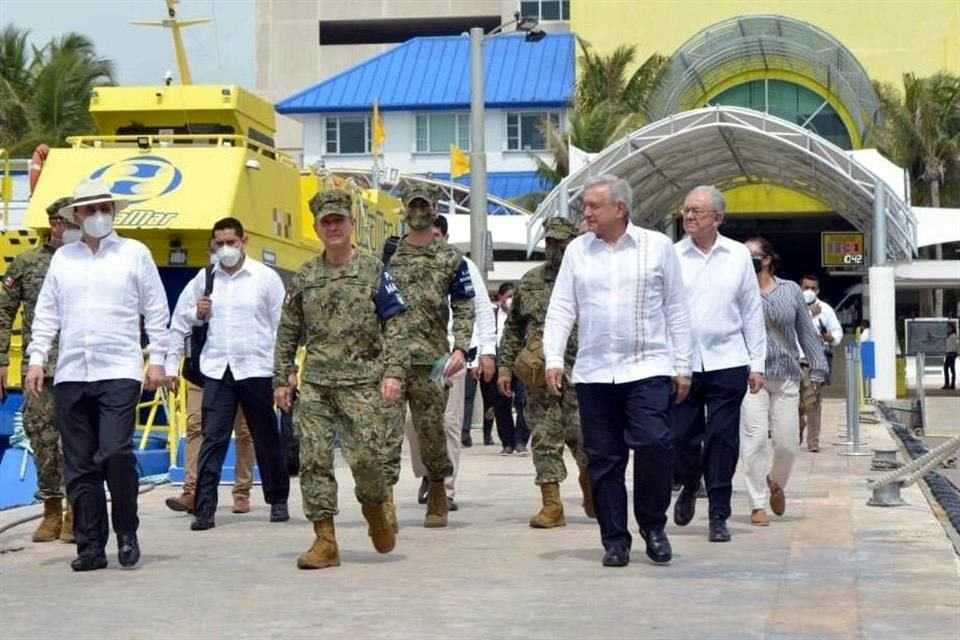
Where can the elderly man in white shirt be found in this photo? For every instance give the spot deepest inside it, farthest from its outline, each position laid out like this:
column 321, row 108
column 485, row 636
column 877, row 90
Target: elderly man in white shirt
column 621, row 285
column 242, row 314
column 831, row 334
column 94, row 294
column 729, row 352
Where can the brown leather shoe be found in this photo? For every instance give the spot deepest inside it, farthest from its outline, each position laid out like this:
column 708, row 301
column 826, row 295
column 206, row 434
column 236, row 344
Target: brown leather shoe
column 758, row 518
column 778, row 501
column 241, row 504
column 182, row 503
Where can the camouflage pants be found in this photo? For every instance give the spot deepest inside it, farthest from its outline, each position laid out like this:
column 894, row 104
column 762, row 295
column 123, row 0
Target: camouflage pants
column 354, row 413
column 554, row 422
column 427, row 405
column 45, row 440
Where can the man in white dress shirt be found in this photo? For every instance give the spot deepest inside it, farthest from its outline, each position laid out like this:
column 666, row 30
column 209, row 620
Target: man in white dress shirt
column 93, row 295
column 831, row 334
column 242, row 315
column 729, row 353
column 621, row 285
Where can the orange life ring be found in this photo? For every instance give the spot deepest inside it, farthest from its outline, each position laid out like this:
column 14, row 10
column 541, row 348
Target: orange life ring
column 36, row 165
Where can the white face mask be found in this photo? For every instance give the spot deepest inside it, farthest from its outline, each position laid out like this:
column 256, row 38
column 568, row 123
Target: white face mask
column 229, row 256
column 99, row 225
column 213, row 258
column 809, row 296
column 508, row 304
column 71, row 235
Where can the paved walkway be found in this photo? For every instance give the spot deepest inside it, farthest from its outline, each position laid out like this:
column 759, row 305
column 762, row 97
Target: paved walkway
column 831, row 568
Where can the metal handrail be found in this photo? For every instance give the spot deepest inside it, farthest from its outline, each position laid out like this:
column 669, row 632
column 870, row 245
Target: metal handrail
column 219, row 140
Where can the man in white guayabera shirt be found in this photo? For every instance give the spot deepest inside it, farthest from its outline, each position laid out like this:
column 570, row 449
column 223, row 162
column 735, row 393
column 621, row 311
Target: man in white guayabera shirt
column 729, row 350
column 622, row 286
column 93, row 295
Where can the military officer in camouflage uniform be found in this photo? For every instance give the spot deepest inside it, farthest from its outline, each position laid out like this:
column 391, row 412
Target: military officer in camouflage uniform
column 553, row 420
column 344, row 307
column 21, row 286
column 429, row 273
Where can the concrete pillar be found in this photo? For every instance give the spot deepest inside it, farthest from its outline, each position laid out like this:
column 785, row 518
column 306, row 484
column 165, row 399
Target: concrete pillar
column 883, row 330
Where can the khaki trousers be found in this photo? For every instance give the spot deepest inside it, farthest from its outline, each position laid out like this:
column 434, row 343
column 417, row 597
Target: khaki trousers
column 243, row 469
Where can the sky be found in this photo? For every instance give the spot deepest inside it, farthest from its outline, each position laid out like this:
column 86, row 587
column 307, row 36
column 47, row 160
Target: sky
column 219, row 52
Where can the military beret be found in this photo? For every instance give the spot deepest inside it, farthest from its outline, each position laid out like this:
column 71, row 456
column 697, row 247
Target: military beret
column 413, row 191
column 56, row 208
column 334, row 201
column 559, row 228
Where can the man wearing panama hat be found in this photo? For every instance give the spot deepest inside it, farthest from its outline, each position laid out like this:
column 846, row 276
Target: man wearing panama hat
column 94, row 294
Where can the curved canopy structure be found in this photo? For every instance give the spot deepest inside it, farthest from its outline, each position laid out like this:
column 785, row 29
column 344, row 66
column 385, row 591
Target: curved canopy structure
column 745, row 44
column 729, row 147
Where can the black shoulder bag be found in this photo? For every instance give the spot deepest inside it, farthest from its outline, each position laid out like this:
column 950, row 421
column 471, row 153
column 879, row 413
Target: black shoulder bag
column 193, row 344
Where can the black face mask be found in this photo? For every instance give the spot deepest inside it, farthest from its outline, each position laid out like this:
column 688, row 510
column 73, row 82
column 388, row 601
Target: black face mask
column 757, row 264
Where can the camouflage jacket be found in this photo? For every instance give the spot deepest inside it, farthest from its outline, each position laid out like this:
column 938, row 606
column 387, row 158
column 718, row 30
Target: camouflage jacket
column 428, row 277
column 346, row 317
column 527, row 316
column 21, row 285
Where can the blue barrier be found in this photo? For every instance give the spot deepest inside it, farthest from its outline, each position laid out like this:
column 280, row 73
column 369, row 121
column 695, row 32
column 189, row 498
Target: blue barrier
column 868, row 361
column 14, row 490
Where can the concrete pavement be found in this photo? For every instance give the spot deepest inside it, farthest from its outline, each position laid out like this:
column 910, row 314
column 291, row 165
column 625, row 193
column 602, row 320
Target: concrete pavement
column 832, row 567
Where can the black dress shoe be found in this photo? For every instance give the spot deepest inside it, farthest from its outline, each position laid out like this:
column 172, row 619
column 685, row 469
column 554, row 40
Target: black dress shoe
column 89, row 561
column 466, row 440
column 423, row 490
column 452, row 504
column 616, row 557
column 487, row 440
column 658, row 545
column 129, row 553
column 684, row 508
column 279, row 513
column 719, row 531
column 202, row 523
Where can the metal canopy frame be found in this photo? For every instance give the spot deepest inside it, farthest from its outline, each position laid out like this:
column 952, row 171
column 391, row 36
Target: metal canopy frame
column 763, row 43
column 730, row 147
column 456, row 196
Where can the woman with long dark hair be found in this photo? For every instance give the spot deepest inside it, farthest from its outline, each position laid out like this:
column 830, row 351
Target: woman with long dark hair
column 772, row 414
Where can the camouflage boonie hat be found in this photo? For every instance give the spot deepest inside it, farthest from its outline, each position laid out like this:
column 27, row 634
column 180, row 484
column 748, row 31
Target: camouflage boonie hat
column 558, row 228
column 333, row 202
column 428, row 192
column 59, row 207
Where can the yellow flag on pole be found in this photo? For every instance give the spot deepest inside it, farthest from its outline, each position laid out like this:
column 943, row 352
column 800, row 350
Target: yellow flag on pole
column 459, row 162
column 379, row 132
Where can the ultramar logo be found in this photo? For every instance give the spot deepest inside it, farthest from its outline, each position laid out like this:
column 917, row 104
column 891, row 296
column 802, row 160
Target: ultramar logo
column 144, row 218
column 140, row 179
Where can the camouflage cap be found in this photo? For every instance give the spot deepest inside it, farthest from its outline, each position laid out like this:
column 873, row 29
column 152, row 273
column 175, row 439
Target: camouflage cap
column 56, row 209
column 423, row 191
column 558, row 228
column 334, row 201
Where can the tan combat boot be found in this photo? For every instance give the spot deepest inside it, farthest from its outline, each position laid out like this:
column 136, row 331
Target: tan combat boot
column 437, row 506
column 324, row 551
column 380, row 531
column 390, row 510
column 49, row 529
column 587, row 491
column 66, row 531
column 551, row 514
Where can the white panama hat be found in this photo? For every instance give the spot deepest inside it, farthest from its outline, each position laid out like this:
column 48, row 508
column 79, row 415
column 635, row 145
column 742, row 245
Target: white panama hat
column 93, row 192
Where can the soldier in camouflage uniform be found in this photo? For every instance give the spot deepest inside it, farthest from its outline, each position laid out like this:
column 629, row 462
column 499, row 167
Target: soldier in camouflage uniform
column 21, row 286
column 344, row 307
column 430, row 273
column 554, row 420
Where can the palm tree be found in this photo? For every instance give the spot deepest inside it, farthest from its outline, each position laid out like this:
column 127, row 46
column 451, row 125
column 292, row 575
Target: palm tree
column 609, row 103
column 44, row 92
column 921, row 131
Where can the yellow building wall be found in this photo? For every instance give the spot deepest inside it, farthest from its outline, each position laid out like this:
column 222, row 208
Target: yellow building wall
column 888, row 37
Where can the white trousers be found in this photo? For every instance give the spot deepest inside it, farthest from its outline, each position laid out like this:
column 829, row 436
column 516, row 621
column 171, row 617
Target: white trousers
column 769, row 415
column 452, row 425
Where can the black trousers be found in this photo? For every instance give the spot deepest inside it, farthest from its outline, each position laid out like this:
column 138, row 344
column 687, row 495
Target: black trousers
column 615, row 419
column 96, row 421
column 950, row 370
column 520, row 405
column 502, row 411
column 706, row 435
column 221, row 398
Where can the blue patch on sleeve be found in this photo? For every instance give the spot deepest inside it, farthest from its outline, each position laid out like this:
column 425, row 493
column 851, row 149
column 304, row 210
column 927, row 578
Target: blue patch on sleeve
column 389, row 301
column 462, row 286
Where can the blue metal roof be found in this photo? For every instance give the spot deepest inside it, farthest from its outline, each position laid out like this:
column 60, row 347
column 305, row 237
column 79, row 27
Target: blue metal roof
column 504, row 184
column 434, row 73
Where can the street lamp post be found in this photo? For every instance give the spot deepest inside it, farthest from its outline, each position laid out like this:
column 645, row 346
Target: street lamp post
column 478, row 156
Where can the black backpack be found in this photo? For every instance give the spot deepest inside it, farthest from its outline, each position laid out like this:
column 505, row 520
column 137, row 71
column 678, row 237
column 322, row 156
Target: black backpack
column 193, row 344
